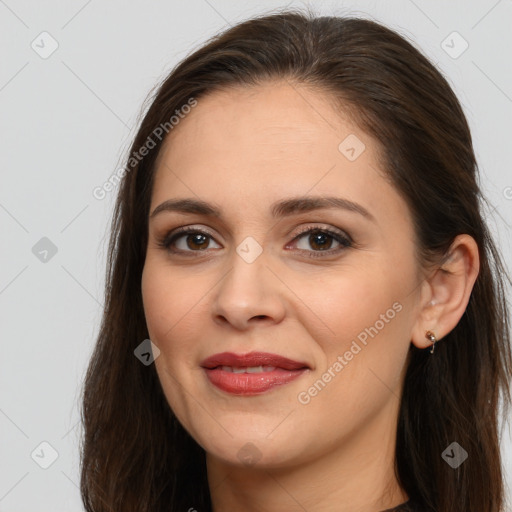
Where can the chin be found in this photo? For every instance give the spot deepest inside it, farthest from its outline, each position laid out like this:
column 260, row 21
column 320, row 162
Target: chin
column 250, row 454
column 246, row 448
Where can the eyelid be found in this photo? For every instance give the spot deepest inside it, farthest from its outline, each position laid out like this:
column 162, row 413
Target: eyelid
column 192, row 227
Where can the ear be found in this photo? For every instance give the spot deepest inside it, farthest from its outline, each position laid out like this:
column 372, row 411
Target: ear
column 445, row 293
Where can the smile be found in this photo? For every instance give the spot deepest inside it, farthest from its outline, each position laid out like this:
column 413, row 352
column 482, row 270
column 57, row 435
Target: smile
column 251, row 374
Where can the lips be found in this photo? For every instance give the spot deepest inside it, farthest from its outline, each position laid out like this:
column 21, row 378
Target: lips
column 250, row 374
column 251, row 360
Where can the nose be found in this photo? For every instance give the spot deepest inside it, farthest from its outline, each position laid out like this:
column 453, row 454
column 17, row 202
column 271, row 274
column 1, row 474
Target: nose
column 249, row 294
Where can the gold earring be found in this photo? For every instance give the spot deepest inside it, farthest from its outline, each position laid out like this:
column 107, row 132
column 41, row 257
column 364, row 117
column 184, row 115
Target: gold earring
column 432, row 337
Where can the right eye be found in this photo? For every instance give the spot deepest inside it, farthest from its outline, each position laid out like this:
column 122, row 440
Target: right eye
column 193, row 239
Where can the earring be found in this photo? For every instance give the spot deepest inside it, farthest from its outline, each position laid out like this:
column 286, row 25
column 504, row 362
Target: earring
column 432, row 337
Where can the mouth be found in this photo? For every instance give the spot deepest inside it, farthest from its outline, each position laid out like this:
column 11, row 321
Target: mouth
column 251, row 374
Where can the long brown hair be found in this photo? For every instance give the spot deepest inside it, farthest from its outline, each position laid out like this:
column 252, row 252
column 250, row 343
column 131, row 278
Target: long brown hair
column 135, row 454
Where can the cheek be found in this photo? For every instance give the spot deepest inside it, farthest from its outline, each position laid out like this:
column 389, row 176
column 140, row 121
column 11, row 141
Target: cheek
column 159, row 306
column 173, row 302
column 361, row 359
column 367, row 313
column 171, row 305
column 347, row 300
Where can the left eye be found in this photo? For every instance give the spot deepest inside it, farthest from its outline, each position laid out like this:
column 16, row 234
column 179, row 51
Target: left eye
column 322, row 239
column 194, row 240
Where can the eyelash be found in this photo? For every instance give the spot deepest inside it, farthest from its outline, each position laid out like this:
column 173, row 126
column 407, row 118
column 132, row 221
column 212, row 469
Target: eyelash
column 344, row 240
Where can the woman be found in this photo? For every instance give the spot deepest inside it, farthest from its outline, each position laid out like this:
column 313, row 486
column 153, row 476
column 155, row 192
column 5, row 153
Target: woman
column 299, row 233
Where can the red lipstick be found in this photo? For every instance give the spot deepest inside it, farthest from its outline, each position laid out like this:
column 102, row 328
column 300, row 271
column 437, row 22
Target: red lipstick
column 251, row 374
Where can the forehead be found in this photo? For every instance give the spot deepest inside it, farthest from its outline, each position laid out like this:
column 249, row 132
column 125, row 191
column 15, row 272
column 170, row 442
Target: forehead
column 274, row 115
column 255, row 145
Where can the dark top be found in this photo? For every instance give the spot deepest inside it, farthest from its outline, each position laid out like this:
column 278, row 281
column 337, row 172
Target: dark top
column 407, row 506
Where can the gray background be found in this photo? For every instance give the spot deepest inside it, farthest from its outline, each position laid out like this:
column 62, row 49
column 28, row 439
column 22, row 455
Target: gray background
column 65, row 122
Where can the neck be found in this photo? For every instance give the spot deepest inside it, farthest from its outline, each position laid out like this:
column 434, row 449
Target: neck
column 358, row 476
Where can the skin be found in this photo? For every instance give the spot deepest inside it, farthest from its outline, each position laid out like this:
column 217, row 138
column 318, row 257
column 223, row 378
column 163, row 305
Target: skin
column 242, row 149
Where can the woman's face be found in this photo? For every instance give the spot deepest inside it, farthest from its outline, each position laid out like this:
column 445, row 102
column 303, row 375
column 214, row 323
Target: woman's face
column 340, row 302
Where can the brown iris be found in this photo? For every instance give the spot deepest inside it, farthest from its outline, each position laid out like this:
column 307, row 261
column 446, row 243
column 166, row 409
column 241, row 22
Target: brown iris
column 199, row 241
column 319, row 238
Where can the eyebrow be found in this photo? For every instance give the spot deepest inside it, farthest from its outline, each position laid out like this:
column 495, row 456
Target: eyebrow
column 283, row 208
